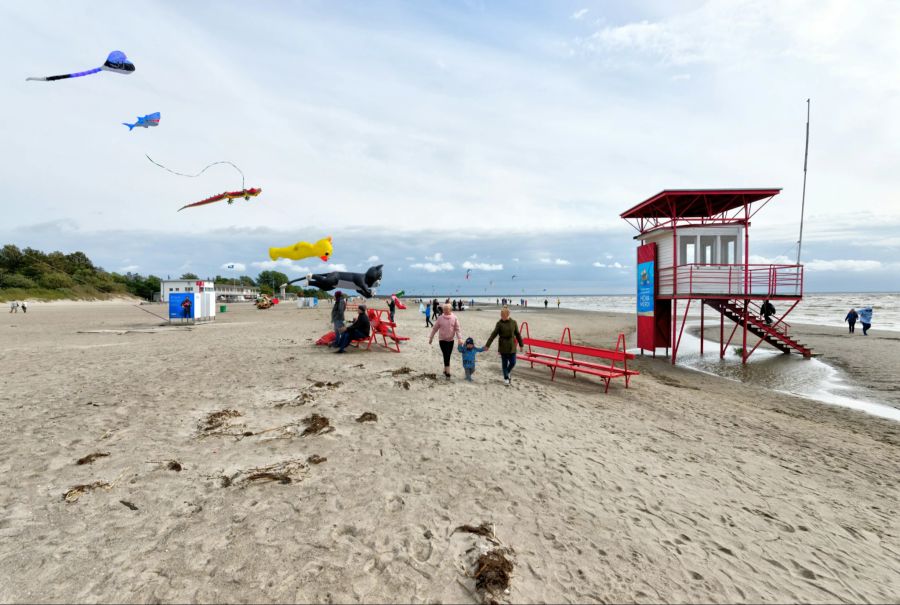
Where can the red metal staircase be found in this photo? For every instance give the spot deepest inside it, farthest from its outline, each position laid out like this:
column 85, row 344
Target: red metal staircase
column 776, row 334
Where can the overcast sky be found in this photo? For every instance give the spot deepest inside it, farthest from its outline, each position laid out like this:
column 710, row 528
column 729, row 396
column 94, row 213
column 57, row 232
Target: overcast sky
column 506, row 135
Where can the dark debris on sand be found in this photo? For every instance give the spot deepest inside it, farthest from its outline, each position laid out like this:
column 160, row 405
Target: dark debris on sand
column 316, row 425
column 493, row 571
column 367, row 417
column 316, row 459
column 89, row 459
column 217, row 420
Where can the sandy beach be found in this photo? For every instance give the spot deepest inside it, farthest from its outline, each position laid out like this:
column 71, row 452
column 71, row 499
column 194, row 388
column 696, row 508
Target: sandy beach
column 682, row 488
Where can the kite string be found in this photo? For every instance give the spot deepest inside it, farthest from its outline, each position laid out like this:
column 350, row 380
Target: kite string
column 243, row 185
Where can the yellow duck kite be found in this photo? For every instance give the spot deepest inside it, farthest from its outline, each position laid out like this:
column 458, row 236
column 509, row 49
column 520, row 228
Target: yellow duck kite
column 301, row 250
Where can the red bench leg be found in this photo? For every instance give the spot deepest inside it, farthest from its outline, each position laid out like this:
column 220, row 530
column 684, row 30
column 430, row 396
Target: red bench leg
column 606, row 390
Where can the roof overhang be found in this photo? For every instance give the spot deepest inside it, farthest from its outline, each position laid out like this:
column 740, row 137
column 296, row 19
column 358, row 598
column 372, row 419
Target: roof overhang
column 672, row 207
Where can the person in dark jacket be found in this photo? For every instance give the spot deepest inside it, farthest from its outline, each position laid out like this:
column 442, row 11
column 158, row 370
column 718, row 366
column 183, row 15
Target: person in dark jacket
column 392, row 306
column 508, row 331
column 768, row 310
column 851, row 318
column 355, row 331
column 337, row 315
column 435, row 309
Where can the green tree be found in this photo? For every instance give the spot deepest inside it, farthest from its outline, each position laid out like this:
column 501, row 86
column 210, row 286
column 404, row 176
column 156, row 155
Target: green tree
column 270, row 281
column 188, row 276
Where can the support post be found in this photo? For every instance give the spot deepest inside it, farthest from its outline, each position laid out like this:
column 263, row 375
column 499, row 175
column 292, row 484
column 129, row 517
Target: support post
column 702, row 304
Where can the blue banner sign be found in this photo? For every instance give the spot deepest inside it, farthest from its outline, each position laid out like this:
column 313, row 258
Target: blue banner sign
column 177, row 308
column 645, row 290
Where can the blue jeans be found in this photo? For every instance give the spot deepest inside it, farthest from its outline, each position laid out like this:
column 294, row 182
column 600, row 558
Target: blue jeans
column 344, row 338
column 507, row 362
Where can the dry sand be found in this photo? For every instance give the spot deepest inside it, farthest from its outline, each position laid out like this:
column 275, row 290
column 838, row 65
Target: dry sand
column 684, row 487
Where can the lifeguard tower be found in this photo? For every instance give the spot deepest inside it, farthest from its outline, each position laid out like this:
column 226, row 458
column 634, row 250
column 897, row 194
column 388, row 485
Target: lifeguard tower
column 695, row 246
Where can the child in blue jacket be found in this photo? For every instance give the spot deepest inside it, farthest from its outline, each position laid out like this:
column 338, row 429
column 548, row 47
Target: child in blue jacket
column 469, row 350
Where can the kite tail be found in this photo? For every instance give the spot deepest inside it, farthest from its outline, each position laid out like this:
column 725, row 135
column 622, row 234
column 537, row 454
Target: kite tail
column 243, row 183
column 65, row 76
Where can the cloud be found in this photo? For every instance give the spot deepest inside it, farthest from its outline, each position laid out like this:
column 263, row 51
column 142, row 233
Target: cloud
column 372, row 259
column 240, row 267
column 129, row 269
column 333, row 267
column 474, row 256
column 435, row 258
column 482, row 266
column 615, row 265
column 561, row 262
column 579, row 14
column 410, row 258
column 282, row 264
column 433, row 267
column 546, row 260
column 849, row 265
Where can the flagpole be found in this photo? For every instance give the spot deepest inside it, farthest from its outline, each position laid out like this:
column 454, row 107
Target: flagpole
column 803, row 199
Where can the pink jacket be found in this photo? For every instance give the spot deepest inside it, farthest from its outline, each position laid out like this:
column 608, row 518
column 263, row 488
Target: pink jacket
column 447, row 327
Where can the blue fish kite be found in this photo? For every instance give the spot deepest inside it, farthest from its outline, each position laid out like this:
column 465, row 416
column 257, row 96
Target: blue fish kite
column 151, row 119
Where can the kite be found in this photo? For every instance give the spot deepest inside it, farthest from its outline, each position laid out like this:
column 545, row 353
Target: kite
column 301, row 250
column 515, row 276
column 361, row 282
column 116, row 62
column 468, row 273
column 230, row 196
column 151, row 119
column 397, row 301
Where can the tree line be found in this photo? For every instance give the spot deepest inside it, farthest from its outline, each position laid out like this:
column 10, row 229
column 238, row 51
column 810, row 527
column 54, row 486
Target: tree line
column 30, row 273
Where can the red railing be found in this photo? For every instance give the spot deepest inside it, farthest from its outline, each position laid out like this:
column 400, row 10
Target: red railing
column 732, row 280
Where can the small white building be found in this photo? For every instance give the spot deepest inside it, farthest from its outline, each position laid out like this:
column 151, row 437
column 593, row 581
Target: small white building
column 200, row 294
column 227, row 293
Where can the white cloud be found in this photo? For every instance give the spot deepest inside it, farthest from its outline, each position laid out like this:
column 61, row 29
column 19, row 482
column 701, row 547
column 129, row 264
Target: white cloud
column 608, row 256
column 579, row 14
column 433, row 267
column 234, row 267
column 561, row 262
column 282, row 264
column 328, row 268
column 435, row 258
column 129, row 269
column 474, row 256
column 410, row 258
column 372, row 259
column 546, row 260
column 844, row 265
column 482, row 266
column 515, row 260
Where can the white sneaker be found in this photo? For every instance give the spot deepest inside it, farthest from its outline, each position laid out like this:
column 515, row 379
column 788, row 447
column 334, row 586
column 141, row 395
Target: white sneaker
column 506, row 381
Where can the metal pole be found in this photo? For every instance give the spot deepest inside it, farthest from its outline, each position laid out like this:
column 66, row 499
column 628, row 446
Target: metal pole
column 803, row 198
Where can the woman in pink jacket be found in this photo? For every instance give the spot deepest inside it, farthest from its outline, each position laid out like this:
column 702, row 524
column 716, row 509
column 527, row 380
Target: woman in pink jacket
column 446, row 326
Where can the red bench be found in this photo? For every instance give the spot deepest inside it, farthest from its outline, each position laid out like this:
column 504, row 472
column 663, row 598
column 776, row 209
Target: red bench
column 381, row 326
column 605, row 371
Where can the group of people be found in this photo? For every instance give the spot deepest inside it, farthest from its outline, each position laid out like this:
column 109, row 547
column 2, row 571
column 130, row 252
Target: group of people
column 14, row 306
column 864, row 316
column 448, row 331
column 435, row 309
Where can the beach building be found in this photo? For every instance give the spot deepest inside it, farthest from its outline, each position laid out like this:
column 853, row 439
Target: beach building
column 694, row 248
column 201, row 294
column 226, row 293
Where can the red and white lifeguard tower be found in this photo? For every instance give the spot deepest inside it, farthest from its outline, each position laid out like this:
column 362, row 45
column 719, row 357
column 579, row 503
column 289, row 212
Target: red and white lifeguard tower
column 695, row 246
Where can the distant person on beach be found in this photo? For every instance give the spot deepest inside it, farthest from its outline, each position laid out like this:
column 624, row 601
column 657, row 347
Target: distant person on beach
column 337, row 314
column 428, row 323
column 435, row 309
column 13, row 306
column 851, row 318
column 508, row 331
column 557, row 302
column 545, row 303
column 453, row 305
column 24, row 306
column 447, row 328
column 865, row 318
column 469, row 350
column 186, row 308
column 768, row 310
column 357, row 330
column 392, row 306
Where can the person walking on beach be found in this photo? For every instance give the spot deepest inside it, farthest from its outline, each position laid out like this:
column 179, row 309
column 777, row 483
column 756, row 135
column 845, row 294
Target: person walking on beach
column 435, row 309
column 13, row 306
column 865, row 318
column 428, row 323
column 768, row 310
column 337, row 315
column 851, row 318
column 24, row 306
column 545, row 303
column 392, row 306
column 447, row 328
column 469, row 350
column 508, row 331
column 557, row 302
column 358, row 330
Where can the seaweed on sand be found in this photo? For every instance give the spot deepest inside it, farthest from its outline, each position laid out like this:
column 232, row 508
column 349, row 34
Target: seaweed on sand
column 367, row 417
column 493, row 571
column 89, row 459
column 217, row 420
column 485, row 530
column 316, row 425
column 316, row 459
column 74, row 493
column 283, row 473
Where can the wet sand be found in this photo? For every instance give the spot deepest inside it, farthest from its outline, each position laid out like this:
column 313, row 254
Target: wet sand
column 684, row 487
